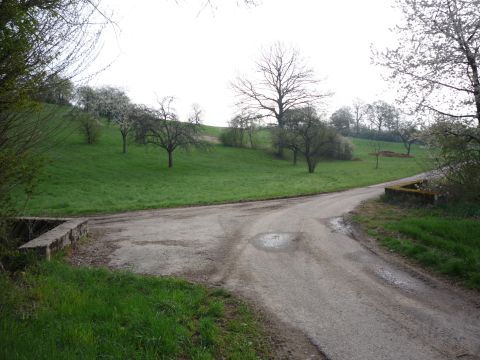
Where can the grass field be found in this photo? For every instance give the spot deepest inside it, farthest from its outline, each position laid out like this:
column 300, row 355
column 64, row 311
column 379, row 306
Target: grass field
column 62, row 312
column 445, row 239
column 81, row 178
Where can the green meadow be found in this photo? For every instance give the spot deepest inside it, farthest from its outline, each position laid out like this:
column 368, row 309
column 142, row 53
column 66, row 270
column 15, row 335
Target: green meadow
column 83, row 179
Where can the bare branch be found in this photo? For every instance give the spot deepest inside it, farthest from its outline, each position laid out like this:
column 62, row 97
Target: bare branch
column 284, row 82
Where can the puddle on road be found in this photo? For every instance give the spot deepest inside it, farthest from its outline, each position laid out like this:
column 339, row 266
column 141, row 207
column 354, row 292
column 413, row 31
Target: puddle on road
column 275, row 241
column 394, row 279
column 339, row 226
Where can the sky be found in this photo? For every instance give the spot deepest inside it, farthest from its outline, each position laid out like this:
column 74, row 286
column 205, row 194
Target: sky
column 178, row 48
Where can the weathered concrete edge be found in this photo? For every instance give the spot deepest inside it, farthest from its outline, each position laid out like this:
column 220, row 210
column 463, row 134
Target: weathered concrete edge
column 67, row 233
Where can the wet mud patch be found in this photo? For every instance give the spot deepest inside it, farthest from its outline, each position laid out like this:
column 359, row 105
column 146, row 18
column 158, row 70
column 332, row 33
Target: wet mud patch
column 178, row 243
column 397, row 280
column 338, row 225
column 276, row 241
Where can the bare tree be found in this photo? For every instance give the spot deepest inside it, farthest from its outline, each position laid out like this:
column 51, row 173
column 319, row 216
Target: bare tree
column 283, row 82
column 359, row 109
column 169, row 133
column 408, row 132
column 437, row 59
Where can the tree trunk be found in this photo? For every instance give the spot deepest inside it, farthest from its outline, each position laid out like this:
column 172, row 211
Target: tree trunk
column 124, row 139
column 409, row 147
column 280, row 151
column 311, row 164
column 281, row 125
column 377, row 155
column 295, row 153
column 170, row 159
column 472, row 61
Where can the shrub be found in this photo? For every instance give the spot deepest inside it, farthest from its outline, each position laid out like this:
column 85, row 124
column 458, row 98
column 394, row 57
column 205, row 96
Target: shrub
column 89, row 127
column 233, row 137
column 341, row 149
column 457, row 154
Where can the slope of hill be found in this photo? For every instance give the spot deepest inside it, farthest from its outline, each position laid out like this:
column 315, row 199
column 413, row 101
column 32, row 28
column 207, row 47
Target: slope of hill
column 81, row 178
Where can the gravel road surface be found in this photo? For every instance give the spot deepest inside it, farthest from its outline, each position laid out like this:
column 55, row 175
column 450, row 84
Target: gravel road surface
column 296, row 259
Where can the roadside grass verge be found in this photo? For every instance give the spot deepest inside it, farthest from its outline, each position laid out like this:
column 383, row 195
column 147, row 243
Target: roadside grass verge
column 55, row 310
column 445, row 239
column 85, row 179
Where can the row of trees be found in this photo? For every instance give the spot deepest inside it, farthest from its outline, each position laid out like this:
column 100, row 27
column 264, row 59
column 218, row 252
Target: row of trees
column 159, row 126
column 44, row 44
column 377, row 121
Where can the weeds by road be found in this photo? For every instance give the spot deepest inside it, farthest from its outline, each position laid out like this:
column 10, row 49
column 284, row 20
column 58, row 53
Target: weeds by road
column 445, row 239
column 55, row 309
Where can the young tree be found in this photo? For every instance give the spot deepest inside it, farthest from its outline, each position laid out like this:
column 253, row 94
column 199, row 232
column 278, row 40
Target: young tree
column 288, row 136
column 341, row 120
column 377, row 150
column 283, row 82
column 241, row 128
column 89, row 126
column 407, row 131
column 313, row 136
column 169, row 133
column 115, row 105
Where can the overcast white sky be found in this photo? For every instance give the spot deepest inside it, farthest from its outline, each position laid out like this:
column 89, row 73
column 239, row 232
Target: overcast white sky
column 169, row 48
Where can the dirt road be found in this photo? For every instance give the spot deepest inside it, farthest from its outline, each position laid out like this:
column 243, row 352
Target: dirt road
column 296, row 259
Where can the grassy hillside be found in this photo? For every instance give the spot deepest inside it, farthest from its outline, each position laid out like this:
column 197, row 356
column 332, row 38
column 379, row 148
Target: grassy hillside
column 81, row 178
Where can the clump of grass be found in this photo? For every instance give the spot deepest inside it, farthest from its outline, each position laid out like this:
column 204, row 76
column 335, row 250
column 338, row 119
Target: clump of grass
column 65, row 312
column 445, row 239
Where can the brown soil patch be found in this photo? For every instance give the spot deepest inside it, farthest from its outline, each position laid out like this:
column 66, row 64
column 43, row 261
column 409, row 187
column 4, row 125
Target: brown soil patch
column 392, row 154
